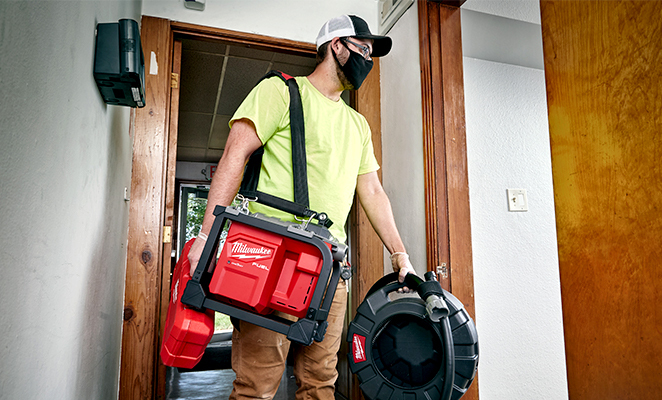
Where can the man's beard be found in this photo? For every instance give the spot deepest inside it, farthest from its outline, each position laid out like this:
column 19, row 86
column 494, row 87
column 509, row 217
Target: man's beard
column 342, row 78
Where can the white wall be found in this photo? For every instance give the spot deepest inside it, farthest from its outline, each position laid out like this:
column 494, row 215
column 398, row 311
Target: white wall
column 516, row 273
column 65, row 159
column 402, row 138
column 298, row 20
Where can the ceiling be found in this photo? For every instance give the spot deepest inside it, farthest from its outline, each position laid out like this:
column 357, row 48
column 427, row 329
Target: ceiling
column 215, row 78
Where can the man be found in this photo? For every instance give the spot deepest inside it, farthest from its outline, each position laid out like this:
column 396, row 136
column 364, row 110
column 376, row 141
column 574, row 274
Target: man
column 340, row 161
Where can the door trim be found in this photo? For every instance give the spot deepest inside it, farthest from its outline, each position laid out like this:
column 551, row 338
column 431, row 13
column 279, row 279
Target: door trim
column 146, row 212
column 448, row 229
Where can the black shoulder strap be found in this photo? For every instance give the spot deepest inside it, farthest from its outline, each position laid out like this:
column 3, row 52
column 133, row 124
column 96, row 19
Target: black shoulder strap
column 299, row 167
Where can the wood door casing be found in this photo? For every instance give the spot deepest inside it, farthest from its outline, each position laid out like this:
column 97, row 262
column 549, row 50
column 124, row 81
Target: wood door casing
column 445, row 151
column 144, row 249
column 448, row 230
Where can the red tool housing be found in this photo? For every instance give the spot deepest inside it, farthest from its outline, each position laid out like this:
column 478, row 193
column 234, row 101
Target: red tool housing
column 261, row 271
column 187, row 331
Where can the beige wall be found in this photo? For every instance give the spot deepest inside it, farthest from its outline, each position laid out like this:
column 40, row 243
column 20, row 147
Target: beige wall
column 65, row 159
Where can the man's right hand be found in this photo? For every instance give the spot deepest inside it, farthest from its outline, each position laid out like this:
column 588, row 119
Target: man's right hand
column 195, row 253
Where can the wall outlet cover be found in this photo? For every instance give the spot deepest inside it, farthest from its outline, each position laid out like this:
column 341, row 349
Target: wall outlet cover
column 517, row 200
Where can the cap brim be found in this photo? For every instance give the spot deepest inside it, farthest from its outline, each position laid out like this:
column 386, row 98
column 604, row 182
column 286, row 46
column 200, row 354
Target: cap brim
column 381, row 45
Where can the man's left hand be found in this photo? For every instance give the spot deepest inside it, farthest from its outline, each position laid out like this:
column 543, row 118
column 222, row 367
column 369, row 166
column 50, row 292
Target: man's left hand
column 401, row 264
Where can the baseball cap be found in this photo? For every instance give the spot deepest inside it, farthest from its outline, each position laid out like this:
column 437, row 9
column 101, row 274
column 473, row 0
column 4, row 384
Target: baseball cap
column 351, row 25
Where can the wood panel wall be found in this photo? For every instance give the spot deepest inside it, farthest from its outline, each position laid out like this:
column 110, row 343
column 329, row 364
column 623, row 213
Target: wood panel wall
column 603, row 69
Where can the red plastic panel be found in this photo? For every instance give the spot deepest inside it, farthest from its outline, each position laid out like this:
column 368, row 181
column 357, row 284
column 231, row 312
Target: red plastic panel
column 261, row 271
column 187, row 331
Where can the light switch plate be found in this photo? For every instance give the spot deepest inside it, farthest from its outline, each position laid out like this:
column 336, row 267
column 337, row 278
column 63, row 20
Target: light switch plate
column 517, row 200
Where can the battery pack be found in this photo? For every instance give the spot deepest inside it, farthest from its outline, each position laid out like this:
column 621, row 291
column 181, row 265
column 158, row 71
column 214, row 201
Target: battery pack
column 187, row 331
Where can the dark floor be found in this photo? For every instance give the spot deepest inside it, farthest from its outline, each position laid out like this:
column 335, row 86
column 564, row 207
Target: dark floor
column 212, row 377
column 216, row 384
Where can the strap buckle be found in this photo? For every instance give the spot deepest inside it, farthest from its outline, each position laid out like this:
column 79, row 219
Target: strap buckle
column 243, row 201
column 305, row 222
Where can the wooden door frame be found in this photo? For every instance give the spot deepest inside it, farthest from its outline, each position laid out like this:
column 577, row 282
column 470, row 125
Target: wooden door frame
column 147, row 281
column 448, row 230
column 144, row 272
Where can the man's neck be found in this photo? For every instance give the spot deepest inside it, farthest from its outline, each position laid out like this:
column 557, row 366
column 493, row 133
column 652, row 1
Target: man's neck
column 326, row 81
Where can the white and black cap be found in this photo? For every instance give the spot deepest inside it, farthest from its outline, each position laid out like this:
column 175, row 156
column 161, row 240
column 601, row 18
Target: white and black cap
column 351, row 25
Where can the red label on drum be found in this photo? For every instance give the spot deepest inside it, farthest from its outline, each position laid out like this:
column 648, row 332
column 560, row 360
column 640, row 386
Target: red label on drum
column 358, row 348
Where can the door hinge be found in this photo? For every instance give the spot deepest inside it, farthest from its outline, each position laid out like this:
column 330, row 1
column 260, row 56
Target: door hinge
column 167, row 234
column 174, row 80
column 442, row 271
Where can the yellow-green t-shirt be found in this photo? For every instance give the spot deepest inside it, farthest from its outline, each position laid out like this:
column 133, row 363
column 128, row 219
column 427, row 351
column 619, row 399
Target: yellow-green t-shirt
column 338, row 148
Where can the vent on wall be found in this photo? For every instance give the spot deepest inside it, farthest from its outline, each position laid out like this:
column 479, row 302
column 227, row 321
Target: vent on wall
column 390, row 12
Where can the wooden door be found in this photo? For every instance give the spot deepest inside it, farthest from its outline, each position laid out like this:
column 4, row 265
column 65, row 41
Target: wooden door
column 603, row 70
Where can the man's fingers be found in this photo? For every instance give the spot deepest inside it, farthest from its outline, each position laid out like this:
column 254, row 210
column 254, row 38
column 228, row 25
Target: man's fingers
column 195, row 253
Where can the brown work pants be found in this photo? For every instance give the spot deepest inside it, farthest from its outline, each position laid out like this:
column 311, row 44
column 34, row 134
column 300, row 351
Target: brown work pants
column 259, row 356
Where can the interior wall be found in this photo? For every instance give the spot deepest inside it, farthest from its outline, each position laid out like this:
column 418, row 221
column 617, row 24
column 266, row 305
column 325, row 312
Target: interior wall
column 65, row 159
column 402, row 138
column 516, row 268
column 516, row 274
column 298, row 20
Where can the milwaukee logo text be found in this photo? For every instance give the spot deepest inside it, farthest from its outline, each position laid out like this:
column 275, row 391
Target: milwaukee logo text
column 243, row 251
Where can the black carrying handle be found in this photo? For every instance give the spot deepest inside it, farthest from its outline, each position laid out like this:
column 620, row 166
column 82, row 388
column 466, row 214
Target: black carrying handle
column 288, row 207
column 411, row 281
column 429, row 290
column 424, row 288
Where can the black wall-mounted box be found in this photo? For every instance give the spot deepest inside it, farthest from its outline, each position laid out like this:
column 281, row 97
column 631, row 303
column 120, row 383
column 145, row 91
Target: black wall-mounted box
column 119, row 65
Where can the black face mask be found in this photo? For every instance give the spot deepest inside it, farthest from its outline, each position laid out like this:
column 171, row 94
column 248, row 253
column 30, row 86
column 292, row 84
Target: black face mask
column 356, row 68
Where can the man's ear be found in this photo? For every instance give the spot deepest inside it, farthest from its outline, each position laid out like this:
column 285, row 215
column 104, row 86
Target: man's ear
column 336, row 45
